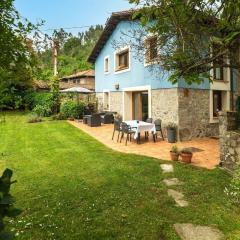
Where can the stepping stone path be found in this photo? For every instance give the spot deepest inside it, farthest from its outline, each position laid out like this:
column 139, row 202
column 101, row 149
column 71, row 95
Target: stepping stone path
column 167, row 168
column 189, row 231
column 178, row 198
column 172, row 182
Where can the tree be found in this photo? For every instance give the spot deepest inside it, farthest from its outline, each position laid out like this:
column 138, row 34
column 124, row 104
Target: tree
column 192, row 35
column 17, row 58
column 73, row 52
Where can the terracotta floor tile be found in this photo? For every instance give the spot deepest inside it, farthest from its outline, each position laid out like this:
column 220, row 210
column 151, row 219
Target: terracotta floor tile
column 208, row 157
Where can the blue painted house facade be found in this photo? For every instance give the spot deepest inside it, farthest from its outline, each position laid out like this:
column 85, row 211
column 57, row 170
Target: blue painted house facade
column 129, row 85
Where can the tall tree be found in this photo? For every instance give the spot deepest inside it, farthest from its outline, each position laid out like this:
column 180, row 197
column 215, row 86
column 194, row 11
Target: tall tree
column 17, row 55
column 192, row 35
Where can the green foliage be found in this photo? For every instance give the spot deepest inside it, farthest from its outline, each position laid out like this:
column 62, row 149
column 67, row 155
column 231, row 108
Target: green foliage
column 42, row 110
column 233, row 190
column 17, row 58
column 34, row 118
column 186, row 31
column 73, row 52
column 6, row 202
column 58, row 116
column 71, row 109
column 174, row 149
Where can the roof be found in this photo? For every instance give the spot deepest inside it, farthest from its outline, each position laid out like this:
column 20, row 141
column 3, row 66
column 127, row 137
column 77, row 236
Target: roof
column 39, row 84
column 82, row 74
column 111, row 24
column 76, row 90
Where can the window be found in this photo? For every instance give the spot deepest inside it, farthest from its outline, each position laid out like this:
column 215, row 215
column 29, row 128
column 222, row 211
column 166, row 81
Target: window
column 106, row 64
column 78, row 81
column 65, row 80
column 122, row 60
column 218, row 70
column 217, row 102
column 74, row 81
column 151, row 53
column 83, row 81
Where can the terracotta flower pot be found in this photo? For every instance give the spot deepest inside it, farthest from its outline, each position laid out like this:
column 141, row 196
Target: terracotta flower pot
column 174, row 156
column 186, row 157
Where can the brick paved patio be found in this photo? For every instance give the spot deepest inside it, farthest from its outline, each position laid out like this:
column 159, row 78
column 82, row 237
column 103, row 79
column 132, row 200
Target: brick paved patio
column 206, row 150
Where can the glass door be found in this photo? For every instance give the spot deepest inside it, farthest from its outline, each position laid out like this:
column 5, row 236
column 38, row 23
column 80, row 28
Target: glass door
column 140, row 105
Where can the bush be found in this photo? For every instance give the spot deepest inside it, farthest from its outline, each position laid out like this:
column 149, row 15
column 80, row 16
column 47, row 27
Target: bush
column 71, row 109
column 233, row 190
column 58, row 116
column 34, row 119
column 48, row 100
column 42, row 111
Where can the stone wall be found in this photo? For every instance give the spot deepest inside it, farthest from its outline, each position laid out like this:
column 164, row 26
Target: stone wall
column 194, row 114
column 229, row 140
column 165, row 105
column 116, row 102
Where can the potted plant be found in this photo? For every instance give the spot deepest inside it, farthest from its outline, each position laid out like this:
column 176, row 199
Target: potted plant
column 186, row 155
column 174, row 153
column 172, row 132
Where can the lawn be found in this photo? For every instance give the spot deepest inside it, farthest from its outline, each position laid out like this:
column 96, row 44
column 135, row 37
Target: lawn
column 70, row 186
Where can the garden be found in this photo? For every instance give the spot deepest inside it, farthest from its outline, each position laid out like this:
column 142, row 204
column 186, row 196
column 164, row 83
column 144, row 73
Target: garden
column 70, row 186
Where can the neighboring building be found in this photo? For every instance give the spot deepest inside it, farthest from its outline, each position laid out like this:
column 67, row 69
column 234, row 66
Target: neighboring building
column 41, row 86
column 127, row 85
column 85, row 79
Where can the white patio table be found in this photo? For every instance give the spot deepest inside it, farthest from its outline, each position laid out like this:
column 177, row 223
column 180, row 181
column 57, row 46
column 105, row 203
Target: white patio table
column 140, row 126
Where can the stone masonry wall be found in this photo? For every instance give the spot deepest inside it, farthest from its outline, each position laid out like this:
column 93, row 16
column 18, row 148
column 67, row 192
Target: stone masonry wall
column 229, row 140
column 116, row 102
column 194, row 114
column 165, row 106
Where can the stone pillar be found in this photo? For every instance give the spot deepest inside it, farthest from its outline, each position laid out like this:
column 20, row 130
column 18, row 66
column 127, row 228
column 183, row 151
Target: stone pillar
column 229, row 140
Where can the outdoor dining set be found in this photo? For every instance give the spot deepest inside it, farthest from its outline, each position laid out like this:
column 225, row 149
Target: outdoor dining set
column 126, row 129
column 134, row 128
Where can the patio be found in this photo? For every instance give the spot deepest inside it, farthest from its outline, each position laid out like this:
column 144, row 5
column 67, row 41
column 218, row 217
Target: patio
column 206, row 150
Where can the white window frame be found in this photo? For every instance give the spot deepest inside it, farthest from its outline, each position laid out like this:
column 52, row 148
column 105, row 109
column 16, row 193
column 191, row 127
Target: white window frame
column 104, row 65
column 116, row 53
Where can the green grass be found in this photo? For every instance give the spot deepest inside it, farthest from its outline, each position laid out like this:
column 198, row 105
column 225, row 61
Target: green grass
column 70, row 186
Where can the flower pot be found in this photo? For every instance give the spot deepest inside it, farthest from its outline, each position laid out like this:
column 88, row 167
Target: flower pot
column 186, row 157
column 174, row 156
column 172, row 135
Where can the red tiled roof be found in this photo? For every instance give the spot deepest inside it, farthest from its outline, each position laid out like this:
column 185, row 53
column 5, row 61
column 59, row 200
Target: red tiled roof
column 87, row 73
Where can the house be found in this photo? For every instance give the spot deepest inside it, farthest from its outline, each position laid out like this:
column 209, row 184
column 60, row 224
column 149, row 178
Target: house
column 128, row 85
column 85, row 79
column 41, row 86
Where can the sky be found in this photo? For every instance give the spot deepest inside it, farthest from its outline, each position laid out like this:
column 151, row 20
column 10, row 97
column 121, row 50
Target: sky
column 69, row 13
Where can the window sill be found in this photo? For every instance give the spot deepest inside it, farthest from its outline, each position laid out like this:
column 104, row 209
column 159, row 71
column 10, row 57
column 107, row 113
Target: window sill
column 220, row 81
column 122, row 70
column 106, row 73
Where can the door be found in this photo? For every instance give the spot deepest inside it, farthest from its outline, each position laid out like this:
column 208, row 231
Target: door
column 140, row 105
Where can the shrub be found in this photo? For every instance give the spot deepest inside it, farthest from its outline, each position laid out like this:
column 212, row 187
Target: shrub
column 34, row 119
column 233, row 190
column 58, row 116
column 174, row 149
column 42, row 111
column 48, row 100
column 71, row 109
